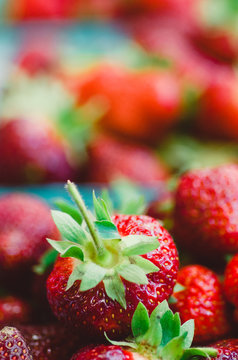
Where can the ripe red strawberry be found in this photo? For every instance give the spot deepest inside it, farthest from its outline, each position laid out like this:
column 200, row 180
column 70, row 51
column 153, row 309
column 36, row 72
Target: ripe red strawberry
column 206, row 212
column 219, row 104
column 138, row 105
column 25, row 223
column 13, row 345
column 34, row 62
column 231, row 281
column 110, row 159
column 160, row 336
column 50, row 342
column 100, row 277
column 13, row 311
column 32, row 152
column 227, row 349
column 202, row 300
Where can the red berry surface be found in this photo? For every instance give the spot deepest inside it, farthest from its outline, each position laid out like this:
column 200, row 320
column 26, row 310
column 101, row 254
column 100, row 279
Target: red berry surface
column 227, row 349
column 103, row 352
column 13, row 345
column 13, row 311
column 231, row 281
column 202, row 300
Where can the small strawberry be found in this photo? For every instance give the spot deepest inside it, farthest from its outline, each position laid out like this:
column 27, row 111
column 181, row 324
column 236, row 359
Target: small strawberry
column 231, row 281
column 32, row 152
column 50, row 342
column 13, row 345
column 227, row 349
column 100, row 277
column 110, row 159
column 201, row 300
column 160, row 336
column 13, row 311
column 206, row 212
column 25, row 223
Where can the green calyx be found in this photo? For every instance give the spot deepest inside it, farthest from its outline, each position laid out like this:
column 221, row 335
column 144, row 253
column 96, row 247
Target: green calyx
column 161, row 335
column 101, row 253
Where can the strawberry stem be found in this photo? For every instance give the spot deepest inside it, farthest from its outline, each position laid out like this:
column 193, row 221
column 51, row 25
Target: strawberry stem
column 101, row 250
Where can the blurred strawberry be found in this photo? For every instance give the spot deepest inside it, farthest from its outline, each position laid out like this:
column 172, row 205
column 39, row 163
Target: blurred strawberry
column 13, row 311
column 110, row 159
column 34, row 62
column 138, row 105
column 219, row 105
column 33, row 152
column 25, row 223
column 231, row 281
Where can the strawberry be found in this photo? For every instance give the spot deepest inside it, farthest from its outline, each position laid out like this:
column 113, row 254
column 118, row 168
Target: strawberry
column 32, row 152
column 50, row 342
column 13, row 311
column 141, row 106
column 25, row 222
column 206, row 211
column 110, row 159
column 201, row 300
column 34, row 62
column 227, row 349
column 13, row 345
column 160, row 336
column 219, row 104
column 231, row 281
column 100, row 276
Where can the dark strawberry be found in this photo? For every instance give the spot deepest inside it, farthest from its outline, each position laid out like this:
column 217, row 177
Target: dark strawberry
column 13, row 345
column 100, row 277
column 231, row 281
column 227, row 349
column 110, row 159
column 140, row 106
column 206, row 213
column 160, row 336
column 25, row 223
column 13, row 311
column 219, row 104
column 32, row 152
column 50, row 342
column 201, row 300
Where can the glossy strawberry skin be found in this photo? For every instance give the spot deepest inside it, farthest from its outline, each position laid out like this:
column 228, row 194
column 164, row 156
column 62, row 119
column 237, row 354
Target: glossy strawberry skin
column 32, row 152
column 202, row 300
column 111, row 158
column 231, row 281
column 206, row 211
column 50, row 341
column 227, row 349
column 13, row 345
column 92, row 312
column 103, row 352
column 141, row 106
column 13, row 311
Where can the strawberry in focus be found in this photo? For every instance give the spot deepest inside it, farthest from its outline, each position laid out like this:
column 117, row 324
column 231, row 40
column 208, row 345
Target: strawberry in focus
column 13, row 345
column 227, row 349
column 206, row 213
column 100, row 277
column 202, row 300
column 110, row 158
column 160, row 336
column 33, row 152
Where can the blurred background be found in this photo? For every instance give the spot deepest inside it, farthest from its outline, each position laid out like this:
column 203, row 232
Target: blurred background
column 99, row 90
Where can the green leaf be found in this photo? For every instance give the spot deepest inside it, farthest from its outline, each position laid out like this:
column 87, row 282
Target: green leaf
column 107, row 230
column 154, row 335
column 140, row 321
column 132, row 273
column 170, row 326
column 47, row 259
column 100, row 209
column 76, row 274
column 172, row 300
column 188, row 327
column 107, row 200
column 60, row 246
column 199, row 352
column 121, row 343
column 138, row 244
column 144, row 264
column 161, row 309
column 133, row 206
column 178, row 287
column 93, row 275
column 69, row 209
column 73, row 251
column 115, row 289
column 68, row 227
column 173, row 350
